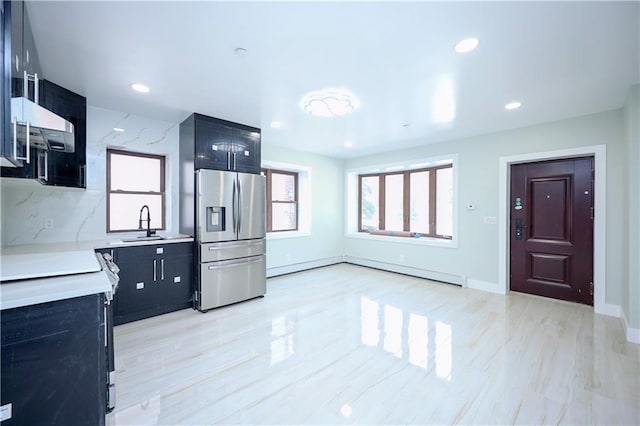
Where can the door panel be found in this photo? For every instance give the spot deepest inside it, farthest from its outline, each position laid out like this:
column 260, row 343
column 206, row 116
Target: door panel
column 216, row 216
column 552, row 229
column 251, row 206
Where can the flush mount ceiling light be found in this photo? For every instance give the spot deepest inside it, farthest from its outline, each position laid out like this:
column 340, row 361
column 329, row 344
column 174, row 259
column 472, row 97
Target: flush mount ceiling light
column 329, row 102
column 467, row 45
column 513, row 105
column 140, row 88
column 275, row 124
column 241, row 51
column 348, row 144
column 118, row 129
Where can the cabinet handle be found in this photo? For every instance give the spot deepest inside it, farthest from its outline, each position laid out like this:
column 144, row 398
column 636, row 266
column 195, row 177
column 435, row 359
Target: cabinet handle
column 162, row 269
column 83, row 175
column 228, row 160
column 234, row 161
column 28, row 142
column 155, row 263
column 15, row 138
column 36, row 93
column 43, row 155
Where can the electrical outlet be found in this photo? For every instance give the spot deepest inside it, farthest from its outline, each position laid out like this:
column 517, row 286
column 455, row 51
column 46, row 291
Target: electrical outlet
column 48, row 223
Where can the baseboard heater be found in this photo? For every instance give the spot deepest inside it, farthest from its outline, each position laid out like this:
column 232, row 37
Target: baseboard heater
column 384, row 266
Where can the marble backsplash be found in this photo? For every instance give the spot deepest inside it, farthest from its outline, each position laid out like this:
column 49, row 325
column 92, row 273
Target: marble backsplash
column 79, row 214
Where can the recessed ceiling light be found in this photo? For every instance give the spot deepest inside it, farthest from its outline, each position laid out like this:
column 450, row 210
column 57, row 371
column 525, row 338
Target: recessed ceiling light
column 329, row 102
column 405, row 125
column 513, row 105
column 241, row 51
column 467, row 45
column 348, row 144
column 275, row 124
column 118, row 129
column 140, row 88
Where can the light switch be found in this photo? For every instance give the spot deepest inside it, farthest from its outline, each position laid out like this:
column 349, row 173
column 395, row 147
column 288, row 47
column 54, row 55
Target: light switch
column 490, row 220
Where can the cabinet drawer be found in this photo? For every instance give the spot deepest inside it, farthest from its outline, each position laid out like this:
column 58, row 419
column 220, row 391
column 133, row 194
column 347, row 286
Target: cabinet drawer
column 214, row 252
column 230, row 281
column 151, row 251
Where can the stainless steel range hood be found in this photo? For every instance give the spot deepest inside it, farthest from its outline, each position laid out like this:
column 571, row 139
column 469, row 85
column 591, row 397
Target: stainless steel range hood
column 46, row 130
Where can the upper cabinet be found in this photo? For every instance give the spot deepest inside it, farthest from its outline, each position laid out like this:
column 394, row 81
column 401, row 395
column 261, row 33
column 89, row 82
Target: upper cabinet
column 217, row 144
column 43, row 124
column 63, row 168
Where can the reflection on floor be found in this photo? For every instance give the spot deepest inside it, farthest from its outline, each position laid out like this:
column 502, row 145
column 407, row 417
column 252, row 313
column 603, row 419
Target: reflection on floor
column 346, row 344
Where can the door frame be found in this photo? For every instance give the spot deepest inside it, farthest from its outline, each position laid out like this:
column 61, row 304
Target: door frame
column 599, row 152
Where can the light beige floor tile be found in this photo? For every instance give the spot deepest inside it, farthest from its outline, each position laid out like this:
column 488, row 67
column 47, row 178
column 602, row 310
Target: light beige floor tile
column 352, row 345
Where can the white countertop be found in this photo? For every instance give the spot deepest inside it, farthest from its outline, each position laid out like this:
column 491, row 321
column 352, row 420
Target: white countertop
column 39, row 273
column 16, row 294
column 51, row 264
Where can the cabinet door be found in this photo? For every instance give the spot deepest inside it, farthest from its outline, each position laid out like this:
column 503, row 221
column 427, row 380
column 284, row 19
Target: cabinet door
column 247, row 155
column 213, row 145
column 176, row 287
column 65, row 169
column 139, row 287
column 6, row 140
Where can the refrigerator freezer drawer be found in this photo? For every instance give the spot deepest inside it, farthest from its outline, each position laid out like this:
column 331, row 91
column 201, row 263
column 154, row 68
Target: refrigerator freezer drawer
column 214, row 252
column 231, row 281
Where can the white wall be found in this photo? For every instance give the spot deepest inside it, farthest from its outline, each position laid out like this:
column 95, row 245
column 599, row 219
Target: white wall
column 476, row 255
column 81, row 214
column 631, row 295
column 324, row 241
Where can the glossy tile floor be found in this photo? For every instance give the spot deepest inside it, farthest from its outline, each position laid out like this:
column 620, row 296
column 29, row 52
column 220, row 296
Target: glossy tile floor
column 346, row 344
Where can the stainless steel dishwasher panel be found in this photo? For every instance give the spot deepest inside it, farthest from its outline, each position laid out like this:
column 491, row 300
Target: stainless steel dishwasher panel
column 231, row 281
column 214, row 252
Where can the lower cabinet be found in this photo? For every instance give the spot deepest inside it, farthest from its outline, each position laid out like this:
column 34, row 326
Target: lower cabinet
column 154, row 280
column 54, row 363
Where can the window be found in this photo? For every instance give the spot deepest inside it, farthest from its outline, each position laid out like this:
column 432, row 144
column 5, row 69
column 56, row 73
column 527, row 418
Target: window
column 134, row 180
column 417, row 201
column 282, row 200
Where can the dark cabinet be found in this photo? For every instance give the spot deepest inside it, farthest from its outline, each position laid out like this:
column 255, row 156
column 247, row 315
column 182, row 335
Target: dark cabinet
column 53, row 363
column 154, row 280
column 6, row 142
column 20, row 57
column 218, row 144
column 60, row 168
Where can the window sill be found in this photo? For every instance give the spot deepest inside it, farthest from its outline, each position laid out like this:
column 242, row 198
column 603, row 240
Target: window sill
column 423, row 241
column 287, row 234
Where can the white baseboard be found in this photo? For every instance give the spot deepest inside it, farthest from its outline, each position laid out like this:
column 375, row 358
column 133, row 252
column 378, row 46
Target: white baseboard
column 633, row 334
column 485, row 286
column 303, row 266
column 407, row 270
column 609, row 310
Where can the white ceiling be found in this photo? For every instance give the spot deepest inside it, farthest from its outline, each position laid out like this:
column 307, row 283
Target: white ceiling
column 560, row 59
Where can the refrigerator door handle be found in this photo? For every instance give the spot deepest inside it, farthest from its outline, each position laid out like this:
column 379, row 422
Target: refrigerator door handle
column 239, row 206
column 233, row 207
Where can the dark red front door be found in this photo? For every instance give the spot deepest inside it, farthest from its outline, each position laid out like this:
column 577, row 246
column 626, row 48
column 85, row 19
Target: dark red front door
column 552, row 229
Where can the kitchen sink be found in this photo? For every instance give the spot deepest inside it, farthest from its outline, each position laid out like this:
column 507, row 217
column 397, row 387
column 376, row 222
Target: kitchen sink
column 142, row 238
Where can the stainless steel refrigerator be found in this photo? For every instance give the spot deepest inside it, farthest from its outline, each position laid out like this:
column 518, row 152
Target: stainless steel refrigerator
column 230, row 232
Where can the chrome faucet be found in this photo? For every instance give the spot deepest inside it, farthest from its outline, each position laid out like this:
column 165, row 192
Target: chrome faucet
column 148, row 220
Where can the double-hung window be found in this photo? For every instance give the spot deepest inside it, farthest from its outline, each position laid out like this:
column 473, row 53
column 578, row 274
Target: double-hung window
column 282, row 200
column 416, row 201
column 135, row 180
